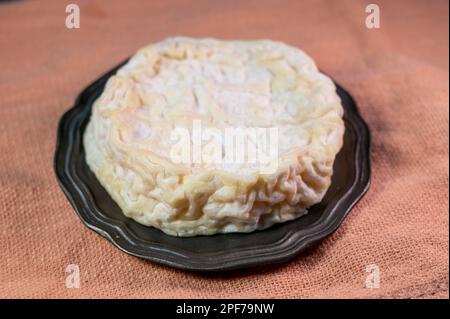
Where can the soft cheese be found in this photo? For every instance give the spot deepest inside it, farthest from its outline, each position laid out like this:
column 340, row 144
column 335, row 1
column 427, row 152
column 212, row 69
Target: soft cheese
column 222, row 84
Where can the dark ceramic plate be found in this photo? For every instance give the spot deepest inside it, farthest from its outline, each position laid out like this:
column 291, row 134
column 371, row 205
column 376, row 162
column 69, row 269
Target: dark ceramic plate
column 209, row 253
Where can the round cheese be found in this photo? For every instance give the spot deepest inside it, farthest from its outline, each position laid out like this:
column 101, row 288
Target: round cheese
column 201, row 136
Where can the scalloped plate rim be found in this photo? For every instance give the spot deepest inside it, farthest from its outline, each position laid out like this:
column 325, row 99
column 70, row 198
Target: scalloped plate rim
column 119, row 234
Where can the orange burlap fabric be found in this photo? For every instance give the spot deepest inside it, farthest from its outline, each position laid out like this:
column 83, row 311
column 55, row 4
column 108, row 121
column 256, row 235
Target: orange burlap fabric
column 398, row 74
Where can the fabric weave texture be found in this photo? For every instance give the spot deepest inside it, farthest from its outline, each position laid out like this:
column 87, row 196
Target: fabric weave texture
column 398, row 75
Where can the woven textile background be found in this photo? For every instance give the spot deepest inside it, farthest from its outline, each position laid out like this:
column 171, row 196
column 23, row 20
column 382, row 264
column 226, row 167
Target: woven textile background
column 398, row 74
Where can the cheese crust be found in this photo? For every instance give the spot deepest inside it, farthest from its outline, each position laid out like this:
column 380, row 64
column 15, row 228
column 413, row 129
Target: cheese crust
column 240, row 84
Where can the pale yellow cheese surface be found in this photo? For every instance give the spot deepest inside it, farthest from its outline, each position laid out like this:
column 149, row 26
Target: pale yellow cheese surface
column 223, row 84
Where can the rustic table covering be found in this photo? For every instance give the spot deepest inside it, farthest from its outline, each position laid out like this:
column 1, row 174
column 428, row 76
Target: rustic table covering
column 397, row 73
